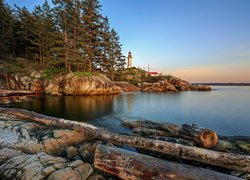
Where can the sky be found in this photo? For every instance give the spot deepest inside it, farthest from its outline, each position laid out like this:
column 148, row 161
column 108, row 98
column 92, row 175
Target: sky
column 197, row 40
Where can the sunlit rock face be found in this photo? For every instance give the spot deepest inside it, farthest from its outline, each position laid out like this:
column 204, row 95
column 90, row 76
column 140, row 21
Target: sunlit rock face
column 19, row 82
column 200, row 88
column 88, row 85
column 61, row 84
column 127, row 87
column 161, row 86
column 81, row 85
column 71, row 84
column 53, row 86
column 179, row 84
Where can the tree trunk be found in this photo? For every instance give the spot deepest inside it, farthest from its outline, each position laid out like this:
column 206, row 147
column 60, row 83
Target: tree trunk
column 190, row 133
column 130, row 165
column 67, row 64
column 8, row 93
column 219, row 159
column 202, row 137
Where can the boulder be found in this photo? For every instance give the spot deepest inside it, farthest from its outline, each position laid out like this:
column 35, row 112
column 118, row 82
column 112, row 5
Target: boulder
column 71, row 152
column 52, row 86
column 88, row 85
column 127, row 87
column 161, row 86
column 37, row 86
column 179, row 84
column 80, row 172
column 17, row 165
column 34, row 138
column 200, row 88
column 27, row 166
column 36, row 74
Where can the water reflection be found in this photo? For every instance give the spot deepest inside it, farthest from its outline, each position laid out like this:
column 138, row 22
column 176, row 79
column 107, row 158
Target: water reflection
column 225, row 110
column 80, row 108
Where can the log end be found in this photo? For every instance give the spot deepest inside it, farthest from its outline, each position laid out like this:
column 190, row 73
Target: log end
column 208, row 138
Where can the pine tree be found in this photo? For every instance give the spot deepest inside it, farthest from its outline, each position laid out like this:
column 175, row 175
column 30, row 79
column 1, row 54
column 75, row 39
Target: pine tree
column 44, row 33
column 117, row 58
column 73, row 34
column 7, row 22
column 105, row 44
column 62, row 10
column 23, row 35
column 91, row 22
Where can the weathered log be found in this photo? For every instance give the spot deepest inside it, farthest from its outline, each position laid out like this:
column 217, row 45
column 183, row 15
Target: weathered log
column 130, row 165
column 13, row 93
column 239, row 144
column 220, row 159
column 202, row 137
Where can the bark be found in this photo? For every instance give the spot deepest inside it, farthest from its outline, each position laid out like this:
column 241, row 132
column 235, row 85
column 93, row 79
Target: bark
column 239, row 144
column 219, row 159
column 66, row 53
column 130, row 165
column 202, row 137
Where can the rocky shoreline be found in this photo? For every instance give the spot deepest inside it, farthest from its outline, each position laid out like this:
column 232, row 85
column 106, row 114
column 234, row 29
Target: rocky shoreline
column 33, row 150
column 16, row 88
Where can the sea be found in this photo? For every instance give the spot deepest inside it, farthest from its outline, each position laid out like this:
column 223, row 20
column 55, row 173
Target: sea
column 226, row 109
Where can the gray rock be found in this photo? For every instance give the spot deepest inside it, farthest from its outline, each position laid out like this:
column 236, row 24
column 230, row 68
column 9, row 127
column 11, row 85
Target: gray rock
column 85, row 154
column 75, row 163
column 64, row 174
column 96, row 176
column 71, row 152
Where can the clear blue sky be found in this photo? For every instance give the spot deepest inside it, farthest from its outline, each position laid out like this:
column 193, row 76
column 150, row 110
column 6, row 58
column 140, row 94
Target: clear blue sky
column 198, row 40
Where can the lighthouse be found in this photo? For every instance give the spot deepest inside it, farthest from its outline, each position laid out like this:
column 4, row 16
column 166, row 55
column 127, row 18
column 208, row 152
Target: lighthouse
column 129, row 59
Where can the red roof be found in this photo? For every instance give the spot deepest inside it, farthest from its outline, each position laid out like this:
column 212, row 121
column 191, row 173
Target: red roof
column 153, row 72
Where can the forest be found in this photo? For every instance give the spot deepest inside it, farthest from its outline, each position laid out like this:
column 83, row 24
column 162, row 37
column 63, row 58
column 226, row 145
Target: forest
column 72, row 35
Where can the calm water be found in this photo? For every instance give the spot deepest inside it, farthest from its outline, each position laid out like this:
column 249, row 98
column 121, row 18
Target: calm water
column 225, row 110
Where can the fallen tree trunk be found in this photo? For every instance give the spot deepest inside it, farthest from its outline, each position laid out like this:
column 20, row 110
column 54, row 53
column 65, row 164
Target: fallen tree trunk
column 220, row 159
column 193, row 133
column 130, row 165
column 14, row 93
column 201, row 137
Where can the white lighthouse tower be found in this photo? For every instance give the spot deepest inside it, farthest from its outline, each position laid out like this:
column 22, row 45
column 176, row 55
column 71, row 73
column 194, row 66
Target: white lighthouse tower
column 130, row 57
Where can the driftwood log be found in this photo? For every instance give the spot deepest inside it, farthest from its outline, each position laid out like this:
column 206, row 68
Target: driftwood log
column 199, row 136
column 130, row 165
column 219, row 159
column 13, row 93
column 202, row 137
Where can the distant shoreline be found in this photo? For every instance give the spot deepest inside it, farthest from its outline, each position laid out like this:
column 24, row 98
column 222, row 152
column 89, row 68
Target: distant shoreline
column 223, row 84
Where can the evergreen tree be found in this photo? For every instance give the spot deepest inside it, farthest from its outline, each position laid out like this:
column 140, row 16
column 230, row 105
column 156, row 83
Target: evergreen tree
column 23, row 33
column 7, row 22
column 63, row 17
column 91, row 29
column 73, row 34
column 105, row 44
column 120, row 59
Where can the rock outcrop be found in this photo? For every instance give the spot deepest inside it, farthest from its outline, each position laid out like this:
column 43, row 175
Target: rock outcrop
column 61, row 84
column 72, row 84
column 127, row 87
column 161, row 86
column 78, row 160
column 172, row 84
column 88, row 85
column 18, row 165
column 179, row 84
column 34, row 151
column 200, row 88
column 34, row 138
